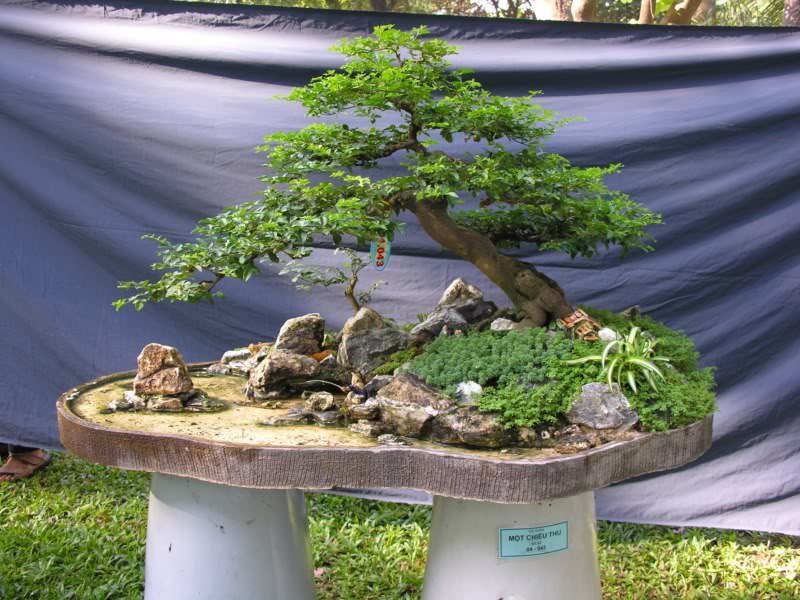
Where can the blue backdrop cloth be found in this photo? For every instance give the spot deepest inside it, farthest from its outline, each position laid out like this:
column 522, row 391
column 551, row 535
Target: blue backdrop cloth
column 125, row 118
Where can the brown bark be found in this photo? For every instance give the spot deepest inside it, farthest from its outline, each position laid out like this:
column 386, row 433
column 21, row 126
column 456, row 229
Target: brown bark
column 706, row 11
column 584, row 10
column 349, row 293
column 551, row 10
column 681, row 12
column 647, row 12
column 538, row 297
column 791, row 13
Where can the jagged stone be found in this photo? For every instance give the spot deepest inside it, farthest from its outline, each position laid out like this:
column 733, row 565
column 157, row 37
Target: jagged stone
column 364, row 320
column 633, row 312
column 445, row 317
column 238, row 354
column 408, row 404
column 599, row 407
column 326, row 418
column 161, row 371
column 369, row 428
column 368, row 411
column 376, row 383
column 469, row 426
column 390, row 439
column 573, row 443
column 320, row 401
column 365, row 351
column 301, row 335
column 288, row 418
column 606, row 334
column 165, row 404
column 459, row 291
column 279, row 371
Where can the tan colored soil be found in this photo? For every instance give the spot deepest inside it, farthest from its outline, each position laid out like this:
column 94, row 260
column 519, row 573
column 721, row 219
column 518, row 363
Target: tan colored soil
column 241, row 423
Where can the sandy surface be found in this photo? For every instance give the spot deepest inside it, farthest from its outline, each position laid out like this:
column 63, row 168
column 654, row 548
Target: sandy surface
column 241, row 424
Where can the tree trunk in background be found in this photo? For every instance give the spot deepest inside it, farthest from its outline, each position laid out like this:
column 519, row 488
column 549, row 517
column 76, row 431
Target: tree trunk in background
column 791, row 13
column 584, row 10
column 647, row 12
column 681, row 12
column 536, row 296
column 706, row 12
column 551, row 10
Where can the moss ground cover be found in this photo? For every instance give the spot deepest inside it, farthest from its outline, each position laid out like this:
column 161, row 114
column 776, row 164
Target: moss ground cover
column 528, row 382
column 77, row 532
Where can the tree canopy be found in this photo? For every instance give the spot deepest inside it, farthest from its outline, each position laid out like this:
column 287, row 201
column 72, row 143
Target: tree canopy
column 402, row 97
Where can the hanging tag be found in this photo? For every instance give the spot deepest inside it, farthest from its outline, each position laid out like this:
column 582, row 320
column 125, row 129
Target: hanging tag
column 380, row 251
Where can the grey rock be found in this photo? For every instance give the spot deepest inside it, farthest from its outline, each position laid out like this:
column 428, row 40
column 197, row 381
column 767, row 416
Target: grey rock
column 239, row 354
column 320, row 401
column 290, row 418
column 301, row 335
column 390, row 439
column 365, row 351
column 364, row 320
column 197, row 401
column 602, row 408
column 327, row 418
column 370, row 428
column 446, row 317
column 404, row 368
column 606, row 334
column 474, row 310
column 408, row 405
column 376, row 383
column 573, row 443
column 165, row 404
column 469, row 426
column 161, row 371
column 467, row 393
column 633, row 312
column 458, row 291
column 354, row 399
column 279, row 370
column 368, row 411
column 129, row 401
column 219, row 369
column 502, row 325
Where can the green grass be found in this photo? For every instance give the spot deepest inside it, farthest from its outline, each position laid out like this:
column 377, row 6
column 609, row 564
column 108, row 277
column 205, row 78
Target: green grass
column 77, row 531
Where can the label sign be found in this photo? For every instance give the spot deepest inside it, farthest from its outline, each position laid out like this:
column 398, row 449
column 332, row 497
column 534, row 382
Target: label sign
column 534, row 541
column 380, row 251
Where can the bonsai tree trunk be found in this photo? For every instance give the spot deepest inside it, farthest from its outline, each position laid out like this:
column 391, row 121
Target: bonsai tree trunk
column 349, row 292
column 534, row 294
column 647, row 12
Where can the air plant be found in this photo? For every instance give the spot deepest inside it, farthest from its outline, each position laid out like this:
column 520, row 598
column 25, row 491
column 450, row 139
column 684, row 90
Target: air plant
column 626, row 357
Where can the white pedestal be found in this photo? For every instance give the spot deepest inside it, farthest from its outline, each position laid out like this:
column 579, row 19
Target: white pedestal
column 548, row 551
column 214, row 542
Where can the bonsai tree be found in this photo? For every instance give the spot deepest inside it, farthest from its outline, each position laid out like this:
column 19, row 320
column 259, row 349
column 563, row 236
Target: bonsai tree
column 307, row 276
column 397, row 94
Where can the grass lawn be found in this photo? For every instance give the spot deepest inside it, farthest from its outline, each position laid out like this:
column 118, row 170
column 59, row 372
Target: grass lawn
column 78, row 531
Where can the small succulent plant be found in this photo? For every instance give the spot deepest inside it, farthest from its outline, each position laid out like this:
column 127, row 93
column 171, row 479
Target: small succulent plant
column 628, row 357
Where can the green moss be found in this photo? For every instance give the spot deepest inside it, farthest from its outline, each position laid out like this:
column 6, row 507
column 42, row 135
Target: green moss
column 396, row 360
column 527, row 382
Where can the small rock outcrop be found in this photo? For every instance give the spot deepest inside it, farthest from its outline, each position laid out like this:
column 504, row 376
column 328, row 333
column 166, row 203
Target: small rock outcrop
column 467, row 393
column 407, row 405
column 302, row 335
column 441, row 318
column 364, row 320
column 365, row 351
column 278, row 372
column 468, row 426
column 460, row 291
column 599, row 407
column 502, row 325
column 161, row 371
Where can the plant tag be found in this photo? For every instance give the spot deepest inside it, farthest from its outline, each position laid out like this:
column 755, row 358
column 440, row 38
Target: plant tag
column 380, row 251
column 534, row 541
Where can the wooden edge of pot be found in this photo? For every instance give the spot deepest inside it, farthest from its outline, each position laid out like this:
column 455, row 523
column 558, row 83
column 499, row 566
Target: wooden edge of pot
column 438, row 472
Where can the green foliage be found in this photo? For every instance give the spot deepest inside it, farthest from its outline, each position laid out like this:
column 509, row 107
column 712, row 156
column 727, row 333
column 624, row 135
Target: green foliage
column 672, row 343
column 403, row 97
column 528, row 379
column 77, row 530
column 627, row 359
column 398, row 359
column 306, row 276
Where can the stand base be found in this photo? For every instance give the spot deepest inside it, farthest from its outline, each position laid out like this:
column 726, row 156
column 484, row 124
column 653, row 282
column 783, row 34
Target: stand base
column 488, row 551
column 211, row 542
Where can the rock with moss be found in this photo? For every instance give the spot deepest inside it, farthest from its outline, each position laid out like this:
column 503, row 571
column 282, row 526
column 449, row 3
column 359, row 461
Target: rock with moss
column 470, row 427
column 407, row 405
column 365, row 351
